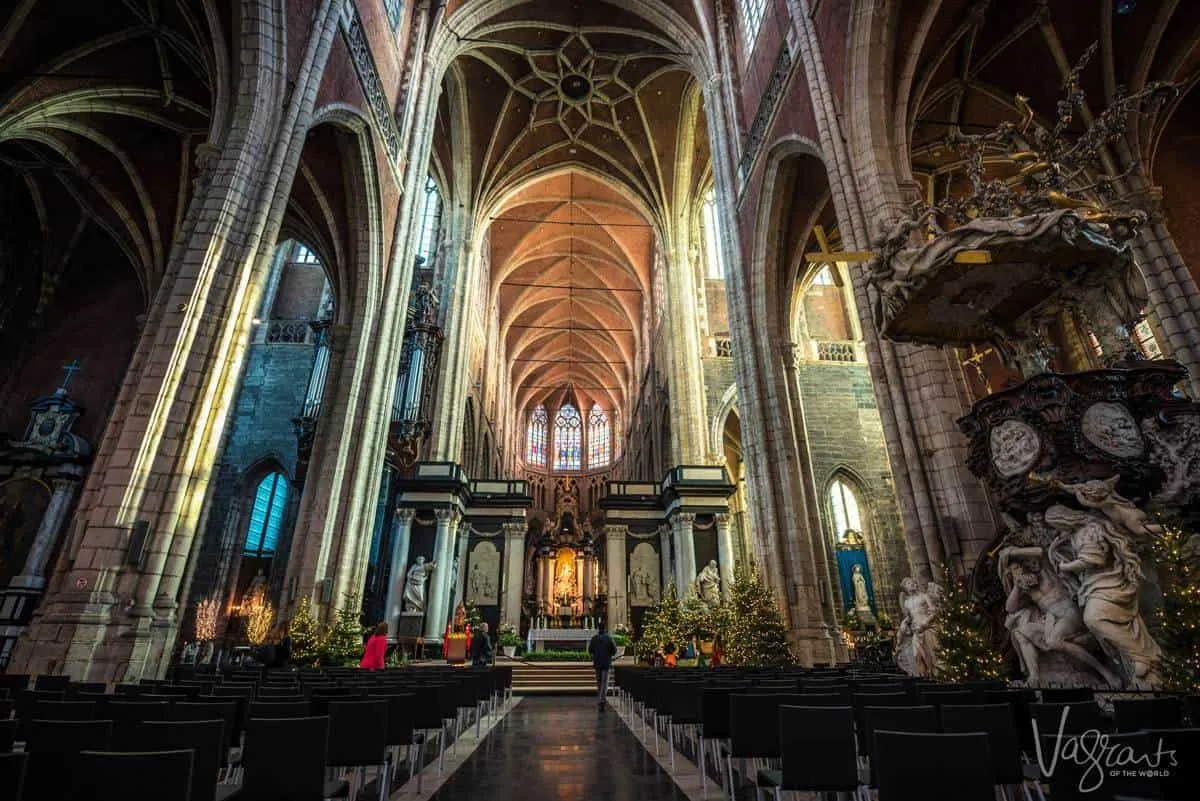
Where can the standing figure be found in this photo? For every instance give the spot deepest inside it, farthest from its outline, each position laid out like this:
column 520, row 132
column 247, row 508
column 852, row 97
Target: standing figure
column 916, row 644
column 414, row 585
column 376, row 648
column 602, row 648
column 1098, row 562
column 708, row 583
column 862, row 601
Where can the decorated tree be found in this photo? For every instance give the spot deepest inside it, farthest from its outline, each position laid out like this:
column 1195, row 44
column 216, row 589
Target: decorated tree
column 751, row 629
column 307, row 642
column 662, row 625
column 258, row 622
column 964, row 651
column 344, row 642
column 1178, row 559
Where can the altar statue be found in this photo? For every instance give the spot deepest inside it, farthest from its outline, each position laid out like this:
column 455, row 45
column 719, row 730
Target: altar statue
column 708, row 583
column 1098, row 562
column 1041, row 616
column 862, row 602
column 916, row 640
column 414, row 585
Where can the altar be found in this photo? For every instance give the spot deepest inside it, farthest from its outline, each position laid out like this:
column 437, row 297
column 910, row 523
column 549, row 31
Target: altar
column 567, row 639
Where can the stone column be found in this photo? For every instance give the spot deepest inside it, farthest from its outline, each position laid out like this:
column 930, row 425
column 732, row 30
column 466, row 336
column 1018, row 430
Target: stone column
column 439, row 595
column 33, row 574
column 725, row 558
column 664, row 550
column 401, row 537
column 460, row 581
column 618, row 574
column 542, row 592
column 514, row 579
column 586, row 563
column 685, row 552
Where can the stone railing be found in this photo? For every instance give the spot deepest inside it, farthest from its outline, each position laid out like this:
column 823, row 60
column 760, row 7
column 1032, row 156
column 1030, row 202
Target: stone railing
column 835, row 351
column 288, row 332
column 720, row 347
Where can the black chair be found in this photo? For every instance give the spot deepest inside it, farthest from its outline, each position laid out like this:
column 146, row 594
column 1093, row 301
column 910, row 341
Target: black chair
column 205, row 737
column 77, row 688
column 911, row 719
column 118, row 776
column 15, row 683
column 749, row 735
column 1191, row 703
column 949, row 695
column 59, row 683
column 64, row 710
column 358, row 738
column 49, row 743
column 225, row 711
column 284, row 760
column 932, row 767
column 12, row 776
column 1150, row 713
column 996, row 721
column 816, row 746
column 1080, row 780
column 401, row 724
column 1073, row 718
column 126, row 715
column 272, row 709
column 861, row 702
column 8, row 735
column 1068, row 695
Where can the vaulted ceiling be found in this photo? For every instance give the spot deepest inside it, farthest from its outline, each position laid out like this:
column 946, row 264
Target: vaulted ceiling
column 575, row 130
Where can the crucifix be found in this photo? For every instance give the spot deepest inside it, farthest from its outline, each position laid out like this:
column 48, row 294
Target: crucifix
column 70, row 369
column 975, row 362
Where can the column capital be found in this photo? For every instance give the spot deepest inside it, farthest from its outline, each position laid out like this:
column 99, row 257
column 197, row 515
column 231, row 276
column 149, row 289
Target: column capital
column 447, row 515
column 686, row 518
column 405, row 514
column 513, row 529
column 615, row 530
column 721, row 518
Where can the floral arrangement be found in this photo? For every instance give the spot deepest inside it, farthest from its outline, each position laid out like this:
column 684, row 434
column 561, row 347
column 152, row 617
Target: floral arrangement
column 509, row 637
column 621, row 635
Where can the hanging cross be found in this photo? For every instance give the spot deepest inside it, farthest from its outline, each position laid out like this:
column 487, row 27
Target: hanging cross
column 975, row 361
column 70, row 369
column 827, row 255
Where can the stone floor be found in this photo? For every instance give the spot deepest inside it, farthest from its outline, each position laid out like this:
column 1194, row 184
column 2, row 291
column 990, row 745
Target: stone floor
column 559, row 748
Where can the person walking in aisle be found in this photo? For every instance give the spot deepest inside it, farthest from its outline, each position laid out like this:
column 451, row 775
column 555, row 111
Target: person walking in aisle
column 602, row 649
column 482, row 651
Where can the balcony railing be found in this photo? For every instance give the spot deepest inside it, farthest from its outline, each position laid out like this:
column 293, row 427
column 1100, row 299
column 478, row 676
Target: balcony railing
column 721, row 347
column 836, row 351
column 288, row 332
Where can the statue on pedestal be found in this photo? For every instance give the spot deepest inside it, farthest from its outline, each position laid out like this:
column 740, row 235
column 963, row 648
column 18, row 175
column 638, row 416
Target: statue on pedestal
column 414, row 585
column 1099, row 564
column 708, row 583
column 916, row 640
column 862, row 602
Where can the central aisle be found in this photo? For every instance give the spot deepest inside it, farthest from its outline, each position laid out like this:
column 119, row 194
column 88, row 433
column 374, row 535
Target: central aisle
column 556, row 747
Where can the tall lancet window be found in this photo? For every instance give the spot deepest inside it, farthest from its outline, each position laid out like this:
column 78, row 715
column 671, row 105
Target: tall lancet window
column 568, row 439
column 535, row 439
column 266, row 516
column 599, row 438
column 844, row 509
column 431, row 222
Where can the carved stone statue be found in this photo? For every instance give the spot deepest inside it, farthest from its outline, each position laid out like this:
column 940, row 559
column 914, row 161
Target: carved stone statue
column 916, row 640
column 1099, row 564
column 862, row 601
column 414, row 585
column 708, row 583
column 1103, row 496
column 1043, row 619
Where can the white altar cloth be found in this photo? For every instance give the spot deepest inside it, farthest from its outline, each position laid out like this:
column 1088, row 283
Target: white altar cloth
column 537, row 639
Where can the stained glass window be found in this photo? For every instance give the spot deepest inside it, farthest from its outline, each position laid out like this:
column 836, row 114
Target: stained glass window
column 568, row 439
column 844, row 508
column 753, row 12
column 714, row 261
column 599, row 438
column 393, row 8
column 266, row 516
column 535, row 439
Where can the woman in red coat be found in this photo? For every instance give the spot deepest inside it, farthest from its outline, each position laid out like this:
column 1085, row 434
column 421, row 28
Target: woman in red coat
column 373, row 654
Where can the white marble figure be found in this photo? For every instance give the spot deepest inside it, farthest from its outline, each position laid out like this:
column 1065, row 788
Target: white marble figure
column 916, row 640
column 1103, row 496
column 1041, row 616
column 708, row 583
column 414, row 585
column 1099, row 564
column 862, row 601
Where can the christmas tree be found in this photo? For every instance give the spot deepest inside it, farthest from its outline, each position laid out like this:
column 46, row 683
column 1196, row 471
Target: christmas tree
column 662, row 626
column 963, row 650
column 307, row 643
column 1179, row 613
column 344, row 641
column 753, row 632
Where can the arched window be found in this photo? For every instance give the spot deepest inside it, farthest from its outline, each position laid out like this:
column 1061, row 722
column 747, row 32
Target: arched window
column 266, row 517
column 844, row 509
column 535, row 439
column 431, row 221
column 714, row 260
column 599, row 438
column 753, row 12
column 394, row 9
column 568, row 439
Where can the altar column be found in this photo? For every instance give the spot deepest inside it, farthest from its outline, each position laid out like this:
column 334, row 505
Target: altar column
column 664, row 551
column 724, row 553
column 539, row 563
column 460, row 580
column 685, row 552
column 33, row 574
column 401, row 537
column 443, row 554
column 514, row 580
column 618, row 574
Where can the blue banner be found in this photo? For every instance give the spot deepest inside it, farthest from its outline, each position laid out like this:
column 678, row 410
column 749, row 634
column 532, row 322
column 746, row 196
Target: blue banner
column 846, row 560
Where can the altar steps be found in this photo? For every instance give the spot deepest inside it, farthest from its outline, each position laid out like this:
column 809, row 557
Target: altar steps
column 551, row 678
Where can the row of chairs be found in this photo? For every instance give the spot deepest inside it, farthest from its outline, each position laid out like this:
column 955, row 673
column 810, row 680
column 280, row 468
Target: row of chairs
column 250, row 743
column 719, row 716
